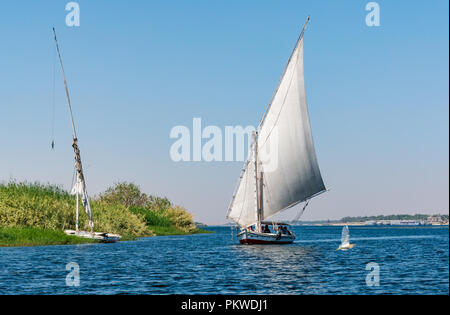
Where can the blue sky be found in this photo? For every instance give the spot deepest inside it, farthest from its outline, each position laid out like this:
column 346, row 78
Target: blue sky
column 378, row 96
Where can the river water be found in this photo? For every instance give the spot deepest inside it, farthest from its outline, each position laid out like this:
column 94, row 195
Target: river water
column 405, row 260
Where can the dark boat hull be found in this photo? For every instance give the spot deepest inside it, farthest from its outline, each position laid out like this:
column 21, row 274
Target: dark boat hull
column 247, row 237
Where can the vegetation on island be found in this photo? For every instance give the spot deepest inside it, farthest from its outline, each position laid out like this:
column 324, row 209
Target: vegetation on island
column 37, row 214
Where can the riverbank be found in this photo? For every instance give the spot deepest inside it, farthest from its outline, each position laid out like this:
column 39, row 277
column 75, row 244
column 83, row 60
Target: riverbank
column 167, row 231
column 25, row 237
column 15, row 237
column 36, row 215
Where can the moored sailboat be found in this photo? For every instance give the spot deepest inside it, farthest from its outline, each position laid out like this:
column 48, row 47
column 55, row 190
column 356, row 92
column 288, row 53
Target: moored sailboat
column 79, row 189
column 282, row 169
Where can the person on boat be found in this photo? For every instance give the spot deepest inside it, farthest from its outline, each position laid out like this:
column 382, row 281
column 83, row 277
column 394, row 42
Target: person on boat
column 280, row 232
column 266, row 229
column 286, row 231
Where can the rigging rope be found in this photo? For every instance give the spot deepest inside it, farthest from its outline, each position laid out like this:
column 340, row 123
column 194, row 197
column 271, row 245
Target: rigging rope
column 299, row 215
column 53, row 101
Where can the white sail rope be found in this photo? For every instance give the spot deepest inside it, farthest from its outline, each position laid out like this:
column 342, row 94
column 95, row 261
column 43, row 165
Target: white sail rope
column 53, row 100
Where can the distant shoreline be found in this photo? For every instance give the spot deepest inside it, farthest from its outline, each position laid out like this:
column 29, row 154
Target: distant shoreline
column 362, row 224
column 379, row 220
column 359, row 224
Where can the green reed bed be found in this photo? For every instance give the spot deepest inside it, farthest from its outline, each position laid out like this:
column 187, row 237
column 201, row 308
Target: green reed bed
column 37, row 237
column 39, row 214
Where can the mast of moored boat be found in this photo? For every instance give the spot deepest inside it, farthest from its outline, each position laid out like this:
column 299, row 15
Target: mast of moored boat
column 80, row 186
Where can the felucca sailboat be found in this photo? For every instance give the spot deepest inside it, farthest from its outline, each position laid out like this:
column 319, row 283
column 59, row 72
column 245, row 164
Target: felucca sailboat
column 282, row 169
column 79, row 189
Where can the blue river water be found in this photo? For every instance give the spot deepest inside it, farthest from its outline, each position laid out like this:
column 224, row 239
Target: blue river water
column 409, row 260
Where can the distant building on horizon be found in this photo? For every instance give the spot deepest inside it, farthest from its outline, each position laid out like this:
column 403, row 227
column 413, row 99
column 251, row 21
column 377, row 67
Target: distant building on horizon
column 431, row 220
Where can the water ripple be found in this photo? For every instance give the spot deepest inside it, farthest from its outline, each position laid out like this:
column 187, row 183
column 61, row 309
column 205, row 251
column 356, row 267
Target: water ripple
column 411, row 260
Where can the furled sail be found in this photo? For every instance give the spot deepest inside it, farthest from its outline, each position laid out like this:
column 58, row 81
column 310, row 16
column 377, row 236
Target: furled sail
column 285, row 146
column 81, row 181
column 80, row 189
column 243, row 206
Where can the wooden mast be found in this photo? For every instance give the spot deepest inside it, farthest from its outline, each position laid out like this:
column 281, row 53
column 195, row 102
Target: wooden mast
column 258, row 183
column 260, row 197
column 65, row 85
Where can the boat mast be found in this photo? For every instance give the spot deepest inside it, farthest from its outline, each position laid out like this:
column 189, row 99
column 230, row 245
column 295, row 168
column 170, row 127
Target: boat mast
column 81, row 183
column 260, row 197
column 65, row 85
column 258, row 183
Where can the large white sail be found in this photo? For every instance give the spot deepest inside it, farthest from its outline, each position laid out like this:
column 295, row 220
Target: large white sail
column 285, row 146
column 286, row 157
column 243, row 206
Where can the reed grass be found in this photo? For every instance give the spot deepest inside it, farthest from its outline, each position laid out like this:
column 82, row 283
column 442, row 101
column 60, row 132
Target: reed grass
column 33, row 208
column 33, row 205
column 172, row 230
column 37, row 237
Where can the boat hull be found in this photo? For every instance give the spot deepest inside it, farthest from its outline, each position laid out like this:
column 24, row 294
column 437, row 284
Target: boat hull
column 99, row 236
column 250, row 238
column 346, row 247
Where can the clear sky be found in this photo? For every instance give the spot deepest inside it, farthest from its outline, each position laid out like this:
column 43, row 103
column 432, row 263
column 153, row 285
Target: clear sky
column 378, row 96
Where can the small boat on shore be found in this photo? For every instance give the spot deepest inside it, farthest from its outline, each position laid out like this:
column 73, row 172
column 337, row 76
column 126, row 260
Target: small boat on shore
column 79, row 189
column 99, row 236
column 281, row 170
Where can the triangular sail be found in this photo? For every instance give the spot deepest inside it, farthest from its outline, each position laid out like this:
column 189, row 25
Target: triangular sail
column 285, row 145
column 243, row 205
column 345, row 238
column 286, row 156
